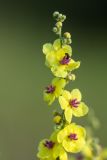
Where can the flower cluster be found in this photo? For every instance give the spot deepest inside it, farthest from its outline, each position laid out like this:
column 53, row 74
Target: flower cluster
column 92, row 150
column 68, row 137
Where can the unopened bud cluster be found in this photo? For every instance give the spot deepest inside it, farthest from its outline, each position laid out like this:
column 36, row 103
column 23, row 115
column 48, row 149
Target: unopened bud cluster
column 60, row 18
column 67, row 38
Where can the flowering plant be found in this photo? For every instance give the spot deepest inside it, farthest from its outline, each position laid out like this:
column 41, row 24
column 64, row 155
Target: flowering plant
column 68, row 138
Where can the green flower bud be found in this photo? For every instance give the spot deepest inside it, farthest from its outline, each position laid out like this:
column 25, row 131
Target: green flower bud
column 57, row 119
column 55, row 29
column 59, row 17
column 67, row 35
column 59, row 24
column 55, row 14
column 69, row 41
column 55, row 113
column 65, row 41
column 71, row 77
column 63, row 18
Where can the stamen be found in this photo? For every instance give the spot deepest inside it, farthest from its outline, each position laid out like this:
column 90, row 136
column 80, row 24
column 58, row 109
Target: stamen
column 65, row 59
column 50, row 89
column 73, row 136
column 49, row 144
column 74, row 103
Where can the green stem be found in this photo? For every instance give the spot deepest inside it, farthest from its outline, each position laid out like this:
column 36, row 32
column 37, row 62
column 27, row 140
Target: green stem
column 60, row 35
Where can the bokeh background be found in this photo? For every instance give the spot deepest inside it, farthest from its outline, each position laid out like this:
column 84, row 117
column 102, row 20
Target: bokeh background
column 24, row 27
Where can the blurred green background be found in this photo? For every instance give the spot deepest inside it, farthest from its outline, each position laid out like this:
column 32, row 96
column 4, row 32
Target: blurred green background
column 24, row 27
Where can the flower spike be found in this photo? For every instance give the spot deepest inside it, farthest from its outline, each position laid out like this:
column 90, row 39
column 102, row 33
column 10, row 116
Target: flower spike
column 67, row 136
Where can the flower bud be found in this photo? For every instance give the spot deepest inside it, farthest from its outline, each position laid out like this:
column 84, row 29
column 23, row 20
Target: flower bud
column 57, row 119
column 59, row 24
column 71, row 77
column 63, row 18
column 67, row 35
column 59, row 17
column 55, row 29
column 65, row 41
column 55, row 14
column 69, row 41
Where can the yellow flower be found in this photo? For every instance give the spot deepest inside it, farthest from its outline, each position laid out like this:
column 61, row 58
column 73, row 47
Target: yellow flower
column 71, row 103
column 58, row 58
column 54, row 90
column 51, row 150
column 72, row 138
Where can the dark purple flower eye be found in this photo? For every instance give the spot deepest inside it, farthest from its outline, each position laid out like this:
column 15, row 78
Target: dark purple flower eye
column 49, row 144
column 50, row 89
column 65, row 59
column 73, row 136
column 74, row 103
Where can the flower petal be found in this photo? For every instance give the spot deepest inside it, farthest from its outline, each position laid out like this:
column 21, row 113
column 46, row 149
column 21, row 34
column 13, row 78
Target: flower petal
column 43, row 151
column 57, row 150
column 73, row 146
column 63, row 155
column 67, row 144
column 67, row 95
column 54, row 136
column 57, row 44
column 49, row 97
column 59, row 87
column 73, row 65
column 68, row 114
column 60, row 55
column 59, row 82
column 67, row 49
column 63, row 102
column 59, row 71
column 51, row 59
column 81, row 110
column 76, row 94
column 47, row 48
column 61, row 135
column 81, row 132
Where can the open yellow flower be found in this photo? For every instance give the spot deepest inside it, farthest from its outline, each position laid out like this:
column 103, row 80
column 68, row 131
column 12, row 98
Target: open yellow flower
column 54, row 90
column 58, row 58
column 72, row 138
column 51, row 150
column 72, row 105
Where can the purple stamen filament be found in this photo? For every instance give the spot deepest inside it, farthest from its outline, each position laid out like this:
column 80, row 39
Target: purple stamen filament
column 65, row 59
column 74, row 103
column 50, row 89
column 73, row 136
column 49, row 144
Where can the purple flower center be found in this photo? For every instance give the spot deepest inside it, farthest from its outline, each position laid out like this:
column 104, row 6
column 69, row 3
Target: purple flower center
column 73, row 136
column 49, row 144
column 74, row 103
column 65, row 59
column 50, row 89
